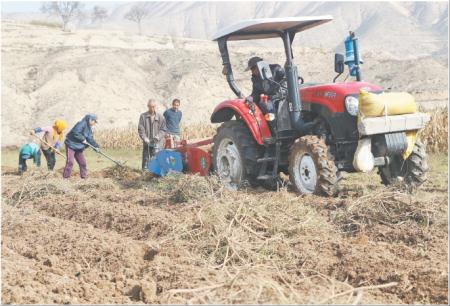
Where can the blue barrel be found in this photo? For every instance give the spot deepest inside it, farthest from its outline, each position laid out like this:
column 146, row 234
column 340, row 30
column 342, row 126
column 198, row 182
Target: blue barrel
column 164, row 162
column 350, row 56
column 349, row 52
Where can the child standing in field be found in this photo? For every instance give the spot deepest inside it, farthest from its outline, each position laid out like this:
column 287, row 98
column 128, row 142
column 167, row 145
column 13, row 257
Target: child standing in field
column 78, row 139
column 29, row 151
column 52, row 139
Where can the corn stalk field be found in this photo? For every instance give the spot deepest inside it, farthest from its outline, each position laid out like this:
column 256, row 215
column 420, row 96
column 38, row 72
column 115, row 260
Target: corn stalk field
column 128, row 138
column 435, row 135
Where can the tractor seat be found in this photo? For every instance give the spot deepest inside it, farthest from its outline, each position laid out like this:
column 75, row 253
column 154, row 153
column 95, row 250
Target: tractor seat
column 278, row 72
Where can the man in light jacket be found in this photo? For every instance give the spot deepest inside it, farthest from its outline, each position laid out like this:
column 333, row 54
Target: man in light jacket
column 152, row 130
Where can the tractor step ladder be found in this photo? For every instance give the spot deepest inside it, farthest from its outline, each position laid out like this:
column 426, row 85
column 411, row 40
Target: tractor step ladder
column 262, row 171
column 265, row 159
column 263, row 175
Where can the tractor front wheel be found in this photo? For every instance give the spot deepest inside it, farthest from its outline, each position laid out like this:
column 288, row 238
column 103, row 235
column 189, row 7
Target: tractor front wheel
column 311, row 171
column 234, row 154
column 411, row 172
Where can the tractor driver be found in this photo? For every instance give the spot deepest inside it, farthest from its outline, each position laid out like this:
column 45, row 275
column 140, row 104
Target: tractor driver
column 257, row 86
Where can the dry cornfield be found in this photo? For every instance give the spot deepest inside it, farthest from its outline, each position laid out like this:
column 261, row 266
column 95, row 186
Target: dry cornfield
column 435, row 134
column 127, row 138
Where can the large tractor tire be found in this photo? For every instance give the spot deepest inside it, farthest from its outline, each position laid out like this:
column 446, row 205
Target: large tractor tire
column 311, row 170
column 234, row 154
column 412, row 171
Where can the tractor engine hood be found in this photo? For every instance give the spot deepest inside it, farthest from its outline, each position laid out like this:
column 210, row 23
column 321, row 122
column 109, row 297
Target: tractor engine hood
column 332, row 95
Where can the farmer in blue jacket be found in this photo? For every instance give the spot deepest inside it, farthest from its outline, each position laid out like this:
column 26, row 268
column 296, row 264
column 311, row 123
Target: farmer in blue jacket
column 173, row 118
column 29, row 151
column 76, row 141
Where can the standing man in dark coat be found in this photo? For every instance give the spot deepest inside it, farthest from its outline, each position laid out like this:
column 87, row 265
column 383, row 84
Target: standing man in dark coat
column 152, row 130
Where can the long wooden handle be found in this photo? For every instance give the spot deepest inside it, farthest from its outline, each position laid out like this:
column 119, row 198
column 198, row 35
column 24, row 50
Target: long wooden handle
column 103, row 154
column 56, row 151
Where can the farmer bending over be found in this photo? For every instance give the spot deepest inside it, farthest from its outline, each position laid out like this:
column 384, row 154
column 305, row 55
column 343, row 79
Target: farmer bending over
column 76, row 141
column 173, row 118
column 152, row 130
column 28, row 151
column 51, row 140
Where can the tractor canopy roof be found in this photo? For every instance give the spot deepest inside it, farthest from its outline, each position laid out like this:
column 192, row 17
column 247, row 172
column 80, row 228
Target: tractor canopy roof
column 269, row 27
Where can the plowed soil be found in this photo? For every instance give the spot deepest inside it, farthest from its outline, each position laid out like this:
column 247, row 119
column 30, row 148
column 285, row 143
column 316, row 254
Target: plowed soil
column 120, row 237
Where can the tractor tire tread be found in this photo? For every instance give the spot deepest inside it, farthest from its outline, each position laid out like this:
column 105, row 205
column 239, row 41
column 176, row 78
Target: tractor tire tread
column 245, row 143
column 328, row 174
column 416, row 168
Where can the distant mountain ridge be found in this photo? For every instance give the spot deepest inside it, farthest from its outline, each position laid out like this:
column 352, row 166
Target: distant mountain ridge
column 402, row 29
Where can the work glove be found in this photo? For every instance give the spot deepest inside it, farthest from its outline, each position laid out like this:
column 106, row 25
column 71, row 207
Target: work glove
column 85, row 142
column 146, row 140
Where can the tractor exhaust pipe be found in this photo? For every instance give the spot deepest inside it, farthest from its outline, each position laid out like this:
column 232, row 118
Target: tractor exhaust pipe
column 295, row 105
column 357, row 60
column 227, row 71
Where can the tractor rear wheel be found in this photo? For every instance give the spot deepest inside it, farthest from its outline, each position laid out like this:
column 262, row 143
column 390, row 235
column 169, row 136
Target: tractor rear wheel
column 311, row 171
column 411, row 171
column 234, row 154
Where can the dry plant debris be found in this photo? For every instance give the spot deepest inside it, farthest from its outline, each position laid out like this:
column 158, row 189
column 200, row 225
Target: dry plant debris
column 120, row 237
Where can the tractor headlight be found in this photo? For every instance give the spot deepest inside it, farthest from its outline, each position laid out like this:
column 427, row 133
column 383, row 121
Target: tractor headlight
column 269, row 117
column 351, row 104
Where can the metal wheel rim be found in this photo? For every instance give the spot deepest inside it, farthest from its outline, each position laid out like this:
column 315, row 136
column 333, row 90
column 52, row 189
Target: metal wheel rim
column 307, row 173
column 229, row 165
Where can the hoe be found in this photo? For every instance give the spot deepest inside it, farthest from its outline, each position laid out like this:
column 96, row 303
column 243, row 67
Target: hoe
column 317, row 131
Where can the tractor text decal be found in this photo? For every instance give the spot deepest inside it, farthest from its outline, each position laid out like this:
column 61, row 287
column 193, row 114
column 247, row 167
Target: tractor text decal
column 326, row 94
column 330, row 94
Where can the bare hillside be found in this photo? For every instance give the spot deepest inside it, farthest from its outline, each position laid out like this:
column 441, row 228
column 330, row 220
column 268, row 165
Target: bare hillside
column 47, row 73
column 394, row 27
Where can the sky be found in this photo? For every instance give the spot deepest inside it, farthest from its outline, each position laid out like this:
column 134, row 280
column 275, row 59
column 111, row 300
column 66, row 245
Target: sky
column 34, row 6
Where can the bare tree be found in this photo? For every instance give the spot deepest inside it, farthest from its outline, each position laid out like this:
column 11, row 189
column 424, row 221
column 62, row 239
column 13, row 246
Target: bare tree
column 67, row 11
column 137, row 13
column 99, row 14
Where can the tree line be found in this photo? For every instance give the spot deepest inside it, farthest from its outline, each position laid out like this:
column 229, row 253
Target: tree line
column 71, row 11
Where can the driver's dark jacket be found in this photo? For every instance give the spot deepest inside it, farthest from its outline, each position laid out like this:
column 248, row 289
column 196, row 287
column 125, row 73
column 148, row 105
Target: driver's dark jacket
column 257, row 90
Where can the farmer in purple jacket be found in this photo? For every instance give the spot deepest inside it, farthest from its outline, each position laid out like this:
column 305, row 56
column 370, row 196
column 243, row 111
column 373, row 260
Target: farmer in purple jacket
column 76, row 141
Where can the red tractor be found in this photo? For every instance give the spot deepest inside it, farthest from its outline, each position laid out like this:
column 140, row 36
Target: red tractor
column 315, row 131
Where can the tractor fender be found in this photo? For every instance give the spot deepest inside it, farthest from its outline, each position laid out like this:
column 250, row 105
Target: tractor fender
column 256, row 122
